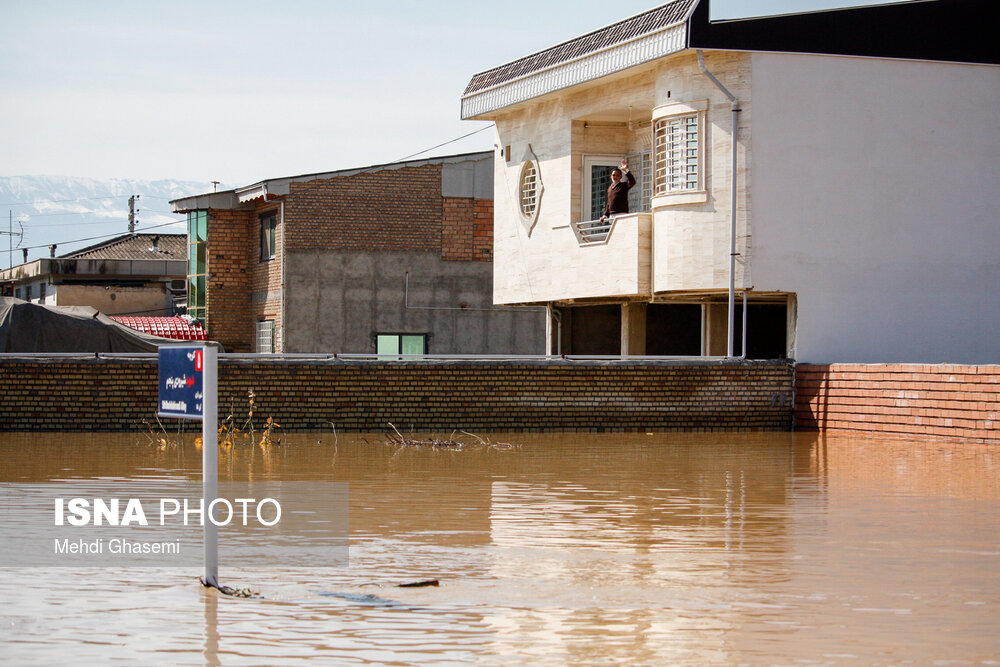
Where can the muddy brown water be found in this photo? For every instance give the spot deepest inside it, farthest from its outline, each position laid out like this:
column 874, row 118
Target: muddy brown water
column 571, row 549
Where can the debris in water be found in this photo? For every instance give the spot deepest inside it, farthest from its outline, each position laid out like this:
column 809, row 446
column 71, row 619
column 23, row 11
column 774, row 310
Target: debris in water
column 401, row 440
column 420, row 584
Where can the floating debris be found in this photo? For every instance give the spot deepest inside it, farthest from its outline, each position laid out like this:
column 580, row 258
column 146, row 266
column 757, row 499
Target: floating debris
column 229, row 590
column 398, row 439
column 420, row 584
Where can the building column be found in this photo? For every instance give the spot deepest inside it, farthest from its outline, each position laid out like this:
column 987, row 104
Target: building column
column 634, row 328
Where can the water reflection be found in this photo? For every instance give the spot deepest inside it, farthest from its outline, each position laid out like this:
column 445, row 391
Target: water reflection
column 686, row 548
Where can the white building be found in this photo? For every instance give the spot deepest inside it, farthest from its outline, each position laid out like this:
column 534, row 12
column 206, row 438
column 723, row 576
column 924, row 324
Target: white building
column 865, row 145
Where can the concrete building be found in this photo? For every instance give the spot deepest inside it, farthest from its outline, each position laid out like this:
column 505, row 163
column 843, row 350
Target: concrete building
column 132, row 274
column 393, row 258
column 838, row 168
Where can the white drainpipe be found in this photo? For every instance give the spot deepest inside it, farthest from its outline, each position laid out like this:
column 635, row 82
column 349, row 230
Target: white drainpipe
column 732, row 228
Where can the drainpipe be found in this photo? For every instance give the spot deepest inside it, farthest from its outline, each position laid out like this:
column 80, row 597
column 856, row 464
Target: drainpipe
column 732, row 225
column 557, row 316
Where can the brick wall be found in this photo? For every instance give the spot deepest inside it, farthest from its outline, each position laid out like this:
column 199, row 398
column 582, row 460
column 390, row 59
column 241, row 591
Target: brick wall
column 467, row 229
column 267, row 277
column 230, row 242
column 390, row 209
column 116, row 394
column 906, row 399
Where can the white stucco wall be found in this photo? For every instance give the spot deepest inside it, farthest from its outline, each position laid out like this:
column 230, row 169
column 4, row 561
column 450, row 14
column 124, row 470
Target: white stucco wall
column 876, row 199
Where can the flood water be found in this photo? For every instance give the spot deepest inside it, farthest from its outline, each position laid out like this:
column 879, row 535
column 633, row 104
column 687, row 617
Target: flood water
column 571, row 549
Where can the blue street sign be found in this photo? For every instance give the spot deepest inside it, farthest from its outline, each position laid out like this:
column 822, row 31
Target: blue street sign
column 181, row 385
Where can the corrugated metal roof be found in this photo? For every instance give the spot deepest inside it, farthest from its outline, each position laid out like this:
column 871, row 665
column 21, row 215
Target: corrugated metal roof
column 165, row 327
column 136, row 246
column 617, row 33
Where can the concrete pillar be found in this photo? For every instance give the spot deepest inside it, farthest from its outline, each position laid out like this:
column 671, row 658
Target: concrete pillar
column 716, row 329
column 633, row 328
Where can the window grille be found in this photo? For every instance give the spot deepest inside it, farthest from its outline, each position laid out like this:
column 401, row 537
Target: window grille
column 640, row 197
column 265, row 337
column 529, row 189
column 677, row 149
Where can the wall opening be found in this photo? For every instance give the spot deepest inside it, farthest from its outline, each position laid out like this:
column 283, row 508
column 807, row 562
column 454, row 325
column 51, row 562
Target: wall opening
column 592, row 330
column 673, row 329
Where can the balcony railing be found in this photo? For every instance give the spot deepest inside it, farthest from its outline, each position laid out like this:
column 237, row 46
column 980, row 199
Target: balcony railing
column 593, row 232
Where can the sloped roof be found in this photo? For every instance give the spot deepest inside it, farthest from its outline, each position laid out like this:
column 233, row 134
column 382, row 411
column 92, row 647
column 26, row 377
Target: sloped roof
column 617, row 33
column 136, row 246
column 937, row 30
column 176, row 328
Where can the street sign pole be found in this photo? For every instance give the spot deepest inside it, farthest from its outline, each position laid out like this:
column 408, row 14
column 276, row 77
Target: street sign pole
column 210, row 460
column 189, row 389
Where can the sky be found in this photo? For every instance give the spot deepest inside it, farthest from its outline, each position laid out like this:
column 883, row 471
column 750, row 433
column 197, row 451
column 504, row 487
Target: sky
column 239, row 92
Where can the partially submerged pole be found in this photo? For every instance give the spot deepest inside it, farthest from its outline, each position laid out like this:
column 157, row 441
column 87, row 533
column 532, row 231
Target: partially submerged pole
column 210, row 461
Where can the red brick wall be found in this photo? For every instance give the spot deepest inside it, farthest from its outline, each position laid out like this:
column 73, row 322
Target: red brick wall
column 116, row 394
column 482, row 234
column 230, row 243
column 906, row 399
column 390, row 209
column 457, row 238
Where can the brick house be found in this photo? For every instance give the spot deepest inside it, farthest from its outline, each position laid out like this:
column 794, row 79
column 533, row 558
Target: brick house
column 390, row 258
column 838, row 169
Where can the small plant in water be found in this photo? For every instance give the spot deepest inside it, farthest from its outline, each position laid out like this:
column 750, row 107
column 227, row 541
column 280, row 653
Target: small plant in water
column 231, row 433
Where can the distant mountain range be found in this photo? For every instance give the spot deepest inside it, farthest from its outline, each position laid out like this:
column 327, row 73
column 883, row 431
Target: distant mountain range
column 75, row 212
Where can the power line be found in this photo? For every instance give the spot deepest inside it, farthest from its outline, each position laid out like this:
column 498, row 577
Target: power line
column 103, row 236
column 447, row 142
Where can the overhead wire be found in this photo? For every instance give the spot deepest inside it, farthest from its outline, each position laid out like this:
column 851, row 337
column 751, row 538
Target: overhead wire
column 176, row 222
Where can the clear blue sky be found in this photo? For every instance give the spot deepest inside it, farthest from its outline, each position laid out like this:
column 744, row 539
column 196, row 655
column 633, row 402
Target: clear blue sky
column 242, row 91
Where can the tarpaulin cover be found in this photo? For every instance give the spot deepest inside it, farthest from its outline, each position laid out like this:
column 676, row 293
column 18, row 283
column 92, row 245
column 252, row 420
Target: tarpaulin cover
column 28, row 327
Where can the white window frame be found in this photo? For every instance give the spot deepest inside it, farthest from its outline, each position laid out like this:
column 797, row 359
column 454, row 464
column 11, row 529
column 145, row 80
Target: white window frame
column 662, row 194
column 586, row 192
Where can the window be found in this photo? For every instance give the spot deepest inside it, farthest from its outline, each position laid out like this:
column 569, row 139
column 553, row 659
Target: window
column 197, row 265
column 678, row 153
column 640, row 197
column 391, row 344
column 265, row 337
column 597, row 177
column 529, row 189
column 268, row 225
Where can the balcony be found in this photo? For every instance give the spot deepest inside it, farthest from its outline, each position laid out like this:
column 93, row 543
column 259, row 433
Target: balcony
column 610, row 259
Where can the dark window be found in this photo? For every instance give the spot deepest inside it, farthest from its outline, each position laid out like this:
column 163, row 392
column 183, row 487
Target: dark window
column 268, row 225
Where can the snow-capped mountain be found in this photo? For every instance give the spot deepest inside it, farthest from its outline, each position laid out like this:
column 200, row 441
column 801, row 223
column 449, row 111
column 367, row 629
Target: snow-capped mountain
column 74, row 212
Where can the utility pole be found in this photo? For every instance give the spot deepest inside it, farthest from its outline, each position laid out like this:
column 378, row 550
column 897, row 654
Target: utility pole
column 131, row 213
column 10, row 237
